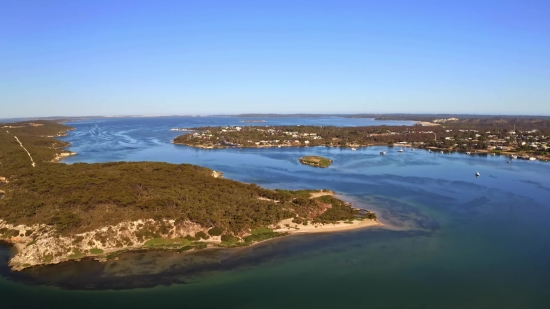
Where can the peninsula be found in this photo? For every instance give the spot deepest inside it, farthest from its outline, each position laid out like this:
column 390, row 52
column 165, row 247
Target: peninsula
column 451, row 135
column 54, row 212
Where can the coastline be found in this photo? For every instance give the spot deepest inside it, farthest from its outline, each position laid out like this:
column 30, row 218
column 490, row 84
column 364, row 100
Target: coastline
column 39, row 244
column 340, row 226
column 20, row 244
column 60, row 156
column 478, row 151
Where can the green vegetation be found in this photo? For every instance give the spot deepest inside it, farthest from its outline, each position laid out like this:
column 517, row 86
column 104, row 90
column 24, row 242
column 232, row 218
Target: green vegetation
column 7, row 233
column 65, row 220
column 201, row 235
column 167, row 243
column 229, row 240
column 96, row 251
column 261, row 230
column 178, row 244
column 76, row 254
column 316, row 161
column 260, row 234
column 81, row 197
column 30, row 243
column 216, row 231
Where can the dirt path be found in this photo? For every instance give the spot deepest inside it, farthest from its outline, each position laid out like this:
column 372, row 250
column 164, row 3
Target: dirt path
column 32, row 161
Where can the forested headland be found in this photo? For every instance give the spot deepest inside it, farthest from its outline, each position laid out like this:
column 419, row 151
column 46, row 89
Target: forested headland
column 79, row 198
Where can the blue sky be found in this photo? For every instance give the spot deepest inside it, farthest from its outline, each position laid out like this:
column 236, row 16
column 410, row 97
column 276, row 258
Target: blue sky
column 209, row 57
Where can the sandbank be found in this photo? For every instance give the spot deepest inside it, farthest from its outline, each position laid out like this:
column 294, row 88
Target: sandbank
column 341, row 226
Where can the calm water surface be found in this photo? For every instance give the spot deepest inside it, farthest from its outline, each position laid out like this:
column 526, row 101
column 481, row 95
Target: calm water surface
column 456, row 241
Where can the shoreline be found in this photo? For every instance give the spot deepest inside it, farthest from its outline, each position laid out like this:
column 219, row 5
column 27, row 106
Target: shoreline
column 340, row 226
column 475, row 152
column 23, row 258
column 294, row 229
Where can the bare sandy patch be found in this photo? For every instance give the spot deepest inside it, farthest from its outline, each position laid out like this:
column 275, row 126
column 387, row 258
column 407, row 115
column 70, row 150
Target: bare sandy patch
column 340, row 226
column 320, row 193
column 428, row 124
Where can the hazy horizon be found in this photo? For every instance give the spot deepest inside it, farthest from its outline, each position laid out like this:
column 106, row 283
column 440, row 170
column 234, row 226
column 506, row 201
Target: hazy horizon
column 267, row 115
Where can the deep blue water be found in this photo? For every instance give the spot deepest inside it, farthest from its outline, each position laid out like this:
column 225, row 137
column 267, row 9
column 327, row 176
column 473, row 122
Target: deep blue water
column 456, row 241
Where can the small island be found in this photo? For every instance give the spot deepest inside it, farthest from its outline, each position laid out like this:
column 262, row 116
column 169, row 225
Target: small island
column 316, row 161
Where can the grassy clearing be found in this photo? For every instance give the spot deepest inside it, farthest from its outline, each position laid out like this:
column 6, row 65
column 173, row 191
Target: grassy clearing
column 261, row 230
column 167, row 243
column 77, row 253
column 260, row 234
column 96, row 251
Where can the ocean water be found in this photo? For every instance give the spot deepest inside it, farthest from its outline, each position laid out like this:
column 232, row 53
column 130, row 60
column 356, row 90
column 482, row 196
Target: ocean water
column 451, row 240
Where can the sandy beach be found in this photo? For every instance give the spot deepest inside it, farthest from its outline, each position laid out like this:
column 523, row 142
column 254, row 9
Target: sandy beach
column 287, row 226
column 341, row 226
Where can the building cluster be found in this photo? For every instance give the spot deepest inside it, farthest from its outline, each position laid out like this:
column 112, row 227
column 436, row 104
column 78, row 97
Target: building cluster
column 462, row 140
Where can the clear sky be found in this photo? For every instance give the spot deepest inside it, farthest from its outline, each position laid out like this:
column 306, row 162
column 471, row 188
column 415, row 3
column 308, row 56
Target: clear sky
column 208, row 57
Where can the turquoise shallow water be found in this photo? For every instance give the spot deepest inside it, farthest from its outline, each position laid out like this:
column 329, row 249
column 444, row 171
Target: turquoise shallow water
column 458, row 241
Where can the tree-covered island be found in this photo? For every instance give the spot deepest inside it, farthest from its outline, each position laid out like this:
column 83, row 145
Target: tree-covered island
column 53, row 212
column 468, row 136
column 316, row 161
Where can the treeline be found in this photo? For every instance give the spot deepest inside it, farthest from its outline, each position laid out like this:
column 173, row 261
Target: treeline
column 485, row 122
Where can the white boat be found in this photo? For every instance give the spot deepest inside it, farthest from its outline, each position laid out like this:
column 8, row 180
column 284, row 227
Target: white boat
column 532, row 158
column 468, row 153
column 478, row 174
column 353, row 148
column 400, row 150
column 441, row 151
column 383, row 153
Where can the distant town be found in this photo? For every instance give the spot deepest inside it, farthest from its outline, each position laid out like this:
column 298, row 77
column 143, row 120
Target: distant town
column 524, row 144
